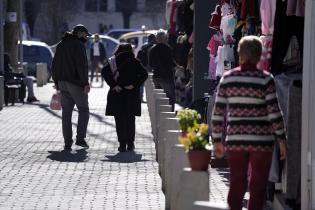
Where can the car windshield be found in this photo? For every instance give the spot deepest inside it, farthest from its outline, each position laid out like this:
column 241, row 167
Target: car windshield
column 36, row 54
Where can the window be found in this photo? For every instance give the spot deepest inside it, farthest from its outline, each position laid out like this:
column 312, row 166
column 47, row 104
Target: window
column 91, row 5
column 95, row 5
column 103, row 5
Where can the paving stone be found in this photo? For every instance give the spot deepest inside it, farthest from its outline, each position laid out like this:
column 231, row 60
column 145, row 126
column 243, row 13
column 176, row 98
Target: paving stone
column 36, row 174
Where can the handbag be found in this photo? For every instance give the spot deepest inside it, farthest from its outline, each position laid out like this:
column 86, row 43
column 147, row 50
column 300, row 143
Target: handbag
column 55, row 102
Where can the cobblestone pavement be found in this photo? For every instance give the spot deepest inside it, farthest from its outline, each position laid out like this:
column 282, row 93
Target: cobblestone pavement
column 36, row 174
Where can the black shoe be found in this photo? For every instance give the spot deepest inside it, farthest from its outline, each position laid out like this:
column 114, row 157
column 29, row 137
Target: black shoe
column 82, row 143
column 67, row 147
column 122, row 148
column 131, row 147
column 32, row 99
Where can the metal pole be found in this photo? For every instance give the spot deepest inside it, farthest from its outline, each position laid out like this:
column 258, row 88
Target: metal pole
column 1, row 35
column 20, row 34
column 308, row 112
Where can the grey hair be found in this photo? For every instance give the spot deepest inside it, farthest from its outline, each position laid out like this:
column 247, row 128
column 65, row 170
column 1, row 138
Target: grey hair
column 250, row 49
column 161, row 36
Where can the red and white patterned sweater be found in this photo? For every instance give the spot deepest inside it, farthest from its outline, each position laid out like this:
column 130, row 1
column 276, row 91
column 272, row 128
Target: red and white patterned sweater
column 254, row 119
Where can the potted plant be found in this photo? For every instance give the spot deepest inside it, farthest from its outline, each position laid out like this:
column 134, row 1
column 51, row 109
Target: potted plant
column 196, row 144
column 187, row 118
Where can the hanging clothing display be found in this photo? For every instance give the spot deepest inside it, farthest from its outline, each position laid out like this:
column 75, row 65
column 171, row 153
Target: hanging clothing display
column 284, row 28
column 225, row 55
column 267, row 14
column 214, row 43
column 215, row 21
column 265, row 60
column 296, row 8
column 247, row 9
column 212, row 68
column 228, row 24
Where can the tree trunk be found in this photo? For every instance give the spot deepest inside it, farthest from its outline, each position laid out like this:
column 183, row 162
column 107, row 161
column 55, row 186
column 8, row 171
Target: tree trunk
column 11, row 32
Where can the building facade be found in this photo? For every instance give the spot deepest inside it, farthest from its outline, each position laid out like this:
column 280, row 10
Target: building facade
column 57, row 16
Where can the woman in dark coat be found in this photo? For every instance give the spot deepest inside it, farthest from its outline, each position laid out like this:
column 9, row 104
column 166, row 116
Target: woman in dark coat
column 124, row 74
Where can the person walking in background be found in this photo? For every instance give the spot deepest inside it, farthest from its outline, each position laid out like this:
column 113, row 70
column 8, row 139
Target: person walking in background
column 162, row 63
column 143, row 56
column 124, row 74
column 9, row 75
column 97, row 57
column 70, row 74
column 254, row 124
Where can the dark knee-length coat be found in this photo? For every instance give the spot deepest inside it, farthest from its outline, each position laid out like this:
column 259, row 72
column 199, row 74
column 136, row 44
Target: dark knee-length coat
column 130, row 72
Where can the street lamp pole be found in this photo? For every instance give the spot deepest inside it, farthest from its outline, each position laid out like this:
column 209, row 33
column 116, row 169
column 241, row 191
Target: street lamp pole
column 1, row 36
column 20, row 34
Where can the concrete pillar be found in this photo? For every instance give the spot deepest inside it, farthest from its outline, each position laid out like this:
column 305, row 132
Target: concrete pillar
column 194, row 186
column 179, row 160
column 201, row 54
column 153, row 109
column 41, row 74
column 169, row 124
column 1, row 92
column 162, row 130
column 170, row 140
column 207, row 205
column 157, row 110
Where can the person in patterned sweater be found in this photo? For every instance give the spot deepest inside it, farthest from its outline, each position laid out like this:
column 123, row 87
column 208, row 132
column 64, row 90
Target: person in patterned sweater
column 254, row 124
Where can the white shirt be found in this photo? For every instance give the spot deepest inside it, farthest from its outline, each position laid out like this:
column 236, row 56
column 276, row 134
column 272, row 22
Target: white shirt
column 96, row 49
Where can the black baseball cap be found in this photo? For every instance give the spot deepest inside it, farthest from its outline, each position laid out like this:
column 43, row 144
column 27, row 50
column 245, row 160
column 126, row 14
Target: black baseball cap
column 80, row 28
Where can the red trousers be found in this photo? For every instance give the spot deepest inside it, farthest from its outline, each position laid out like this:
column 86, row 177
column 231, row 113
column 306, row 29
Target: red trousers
column 239, row 162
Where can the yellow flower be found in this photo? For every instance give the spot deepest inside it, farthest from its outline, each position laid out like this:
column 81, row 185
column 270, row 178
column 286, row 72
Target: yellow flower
column 203, row 129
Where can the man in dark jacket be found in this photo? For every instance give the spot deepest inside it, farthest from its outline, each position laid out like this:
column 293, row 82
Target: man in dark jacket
column 162, row 63
column 70, row 74
column 97, row 56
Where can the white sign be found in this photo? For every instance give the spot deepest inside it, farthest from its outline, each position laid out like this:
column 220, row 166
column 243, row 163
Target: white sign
column 11, row 17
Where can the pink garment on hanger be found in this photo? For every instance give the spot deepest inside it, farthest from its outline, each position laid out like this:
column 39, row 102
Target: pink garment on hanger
column 212, row 68
column 267, row 13
column 265, row 59
column 296, row 8
column 214, row 43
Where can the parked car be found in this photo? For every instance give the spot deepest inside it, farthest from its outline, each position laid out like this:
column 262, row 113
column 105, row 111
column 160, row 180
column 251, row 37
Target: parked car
column 109, row 42
column 137, row 39
column 116, row 33
column 36, row 52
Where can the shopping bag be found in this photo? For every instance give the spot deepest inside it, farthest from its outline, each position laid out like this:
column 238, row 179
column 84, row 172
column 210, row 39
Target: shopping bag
column 55, row 103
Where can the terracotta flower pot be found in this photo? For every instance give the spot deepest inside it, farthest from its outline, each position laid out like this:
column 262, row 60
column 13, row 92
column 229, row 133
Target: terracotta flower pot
column 199, row 160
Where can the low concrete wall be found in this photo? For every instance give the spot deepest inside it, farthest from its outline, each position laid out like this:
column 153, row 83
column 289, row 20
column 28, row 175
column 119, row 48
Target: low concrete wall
column 194, row 186
column 207, row 205
column 179, row 160
column 170, row 140
column 1, row 92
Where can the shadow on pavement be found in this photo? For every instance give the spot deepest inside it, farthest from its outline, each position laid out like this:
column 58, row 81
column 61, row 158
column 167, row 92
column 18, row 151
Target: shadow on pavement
column 125, row 157
column 68, row 156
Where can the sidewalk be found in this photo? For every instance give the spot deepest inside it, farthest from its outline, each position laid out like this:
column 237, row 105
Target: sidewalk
column 35, row 174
